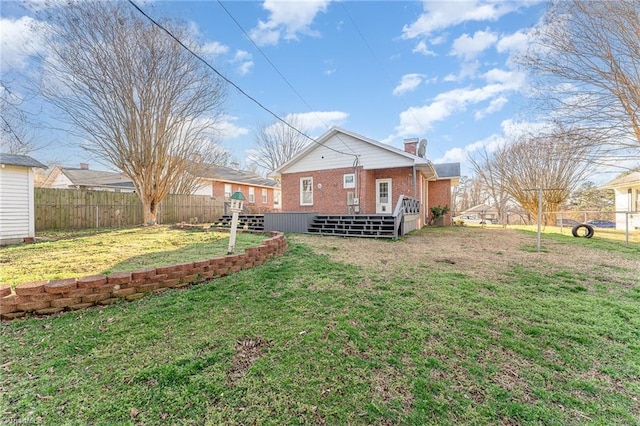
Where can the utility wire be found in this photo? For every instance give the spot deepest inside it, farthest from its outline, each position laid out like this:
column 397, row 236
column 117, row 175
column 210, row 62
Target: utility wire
column 381, row 65
column 264, row 55
column 238, row 88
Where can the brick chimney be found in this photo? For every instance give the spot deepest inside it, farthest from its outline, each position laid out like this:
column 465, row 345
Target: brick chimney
column 411, row 145
column 84, row 166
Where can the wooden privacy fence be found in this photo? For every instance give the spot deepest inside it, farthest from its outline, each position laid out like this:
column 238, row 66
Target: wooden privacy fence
column 80, row 209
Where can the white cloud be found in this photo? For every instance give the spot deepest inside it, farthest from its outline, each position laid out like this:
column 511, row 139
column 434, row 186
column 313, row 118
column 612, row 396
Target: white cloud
column 245, row 67
column 214, row 48
column 287, row 19
column 244, row 61
column 422, row 48
column 417, row 120
column 228, row 129
column 440, row 15
column 317, row 120
column 468, row 48
column 513, row 79
column 20, row 39
column 516, row 42
column 494, row 106
column 511, row 130
column 408, row 83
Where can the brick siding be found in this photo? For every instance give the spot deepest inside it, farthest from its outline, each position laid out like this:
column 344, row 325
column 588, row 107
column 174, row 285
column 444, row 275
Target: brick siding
column 218, row 193
column 440, row 195
column 330, row 196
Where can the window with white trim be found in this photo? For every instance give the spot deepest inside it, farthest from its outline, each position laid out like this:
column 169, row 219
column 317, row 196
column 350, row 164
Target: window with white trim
column 276, row 198
column 264, row 196
column 227, row 190
column 252, row 194
column 306, row 191
column 349, row 180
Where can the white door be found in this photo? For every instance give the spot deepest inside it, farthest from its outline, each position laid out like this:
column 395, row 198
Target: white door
column 383, row 196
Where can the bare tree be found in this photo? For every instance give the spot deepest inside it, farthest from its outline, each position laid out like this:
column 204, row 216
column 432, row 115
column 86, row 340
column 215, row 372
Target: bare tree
column 553, row 162
column 486, row 172
column 14, row 122
column 277, row 143
column 589, row 197
column 586, row 55
column 141, row 101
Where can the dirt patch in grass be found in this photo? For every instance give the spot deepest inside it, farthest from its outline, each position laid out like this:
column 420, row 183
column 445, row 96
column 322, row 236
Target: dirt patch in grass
column 248, row 351
column 480, row 253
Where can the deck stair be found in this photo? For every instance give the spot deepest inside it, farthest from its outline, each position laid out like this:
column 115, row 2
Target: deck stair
column 252, row 222
column 374, row 226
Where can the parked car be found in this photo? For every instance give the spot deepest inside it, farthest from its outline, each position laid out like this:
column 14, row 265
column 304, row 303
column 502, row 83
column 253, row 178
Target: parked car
column 598, row 223
column 566, row 222
column 465, row 219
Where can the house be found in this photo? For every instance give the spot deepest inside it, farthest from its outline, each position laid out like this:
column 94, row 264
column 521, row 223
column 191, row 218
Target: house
column 221, row 182
column 347, row 173
column 627, row 199
column 17, row 221
column 83, row 178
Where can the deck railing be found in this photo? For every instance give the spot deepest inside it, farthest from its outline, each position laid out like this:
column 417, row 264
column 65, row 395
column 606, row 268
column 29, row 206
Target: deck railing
column 404, row 206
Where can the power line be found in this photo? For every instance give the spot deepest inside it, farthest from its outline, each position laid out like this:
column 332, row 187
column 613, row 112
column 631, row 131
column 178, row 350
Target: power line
column 264, row 55
column 238, row 88
column 381, row 65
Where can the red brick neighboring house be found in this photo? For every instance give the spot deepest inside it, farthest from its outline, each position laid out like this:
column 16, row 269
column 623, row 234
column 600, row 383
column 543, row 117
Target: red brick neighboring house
column 261, row 194
column 346, row 173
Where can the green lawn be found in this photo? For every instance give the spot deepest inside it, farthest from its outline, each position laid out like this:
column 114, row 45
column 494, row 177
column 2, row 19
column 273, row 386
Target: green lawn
column 303, row 339
column 71, row 255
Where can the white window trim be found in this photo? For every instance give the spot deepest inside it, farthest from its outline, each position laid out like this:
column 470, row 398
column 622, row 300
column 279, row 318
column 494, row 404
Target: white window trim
column 351, row 184
column 302, row 180
column 252, row 194
column 229, row 193
column 265, row 196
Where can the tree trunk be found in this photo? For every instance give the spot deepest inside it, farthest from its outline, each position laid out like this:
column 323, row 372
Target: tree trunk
column 149, row 212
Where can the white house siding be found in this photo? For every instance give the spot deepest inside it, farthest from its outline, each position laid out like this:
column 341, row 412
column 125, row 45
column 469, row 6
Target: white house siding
column 16, row 204
column 325, row 158
column 625, row 202
column 205, row 188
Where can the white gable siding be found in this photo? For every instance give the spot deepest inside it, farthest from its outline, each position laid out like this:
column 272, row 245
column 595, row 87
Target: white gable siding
column 61, row 181
column 16, row 204
column 370, row 156
column 205, row 187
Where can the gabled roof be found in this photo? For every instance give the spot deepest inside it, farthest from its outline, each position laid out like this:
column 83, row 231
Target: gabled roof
column 20, row 160
column 335, row 130
column 447, row 170
column 95, row 178
column 228, row 174
column 438, row 171
column 480, row 208
column 632, row 179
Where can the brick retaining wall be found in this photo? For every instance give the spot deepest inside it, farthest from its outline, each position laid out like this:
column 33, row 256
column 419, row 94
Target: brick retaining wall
column 53, row 296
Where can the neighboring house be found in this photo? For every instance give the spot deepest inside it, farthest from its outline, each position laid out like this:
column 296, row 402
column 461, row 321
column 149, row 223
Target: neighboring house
column 627, row 199
column 482, row 211
column 83, row 178
column 17, row 220
column 221, row 182
column 346, row 173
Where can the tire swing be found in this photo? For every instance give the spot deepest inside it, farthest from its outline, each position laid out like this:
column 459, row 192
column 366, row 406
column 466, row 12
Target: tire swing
column 577, row 230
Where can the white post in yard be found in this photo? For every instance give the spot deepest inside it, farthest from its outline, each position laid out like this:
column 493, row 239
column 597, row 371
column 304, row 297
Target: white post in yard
column 237, row 202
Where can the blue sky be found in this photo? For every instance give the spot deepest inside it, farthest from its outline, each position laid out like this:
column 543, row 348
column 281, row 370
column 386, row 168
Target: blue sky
column 388, row 70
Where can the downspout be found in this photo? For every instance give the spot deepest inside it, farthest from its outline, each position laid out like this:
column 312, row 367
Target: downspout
column 415, row 183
